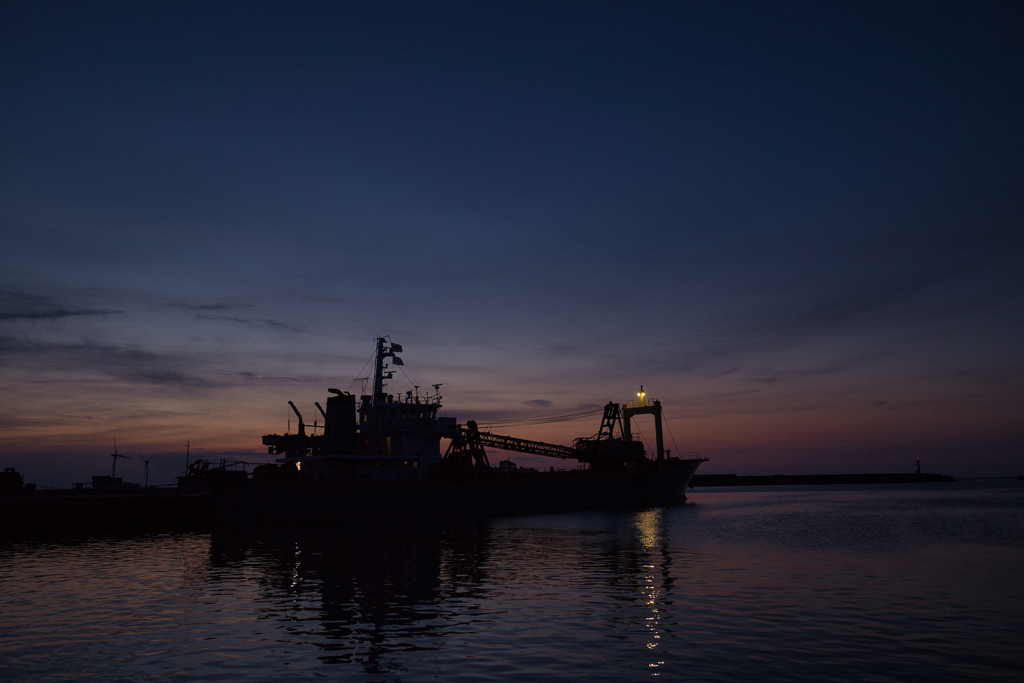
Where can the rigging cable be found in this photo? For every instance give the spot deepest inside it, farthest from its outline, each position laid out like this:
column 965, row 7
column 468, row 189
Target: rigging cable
column 671, row 435
column 411, row 381
column 544, row 419
column 361, row 371
column 549, row 416
column 644, row 439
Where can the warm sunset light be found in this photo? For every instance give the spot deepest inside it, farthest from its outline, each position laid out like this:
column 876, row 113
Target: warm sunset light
column 198, row 230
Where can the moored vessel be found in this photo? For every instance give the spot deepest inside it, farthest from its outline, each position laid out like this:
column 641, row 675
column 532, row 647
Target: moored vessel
column 381, row 455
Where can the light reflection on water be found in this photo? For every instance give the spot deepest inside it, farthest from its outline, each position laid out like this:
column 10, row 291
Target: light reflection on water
column 828, row 584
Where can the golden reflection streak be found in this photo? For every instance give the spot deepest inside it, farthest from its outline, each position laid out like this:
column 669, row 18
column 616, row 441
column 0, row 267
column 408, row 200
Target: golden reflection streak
column 648, row 525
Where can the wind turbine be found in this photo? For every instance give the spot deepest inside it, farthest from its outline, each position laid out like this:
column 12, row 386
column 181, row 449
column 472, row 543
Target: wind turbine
column 145, row 468
column 115, row 456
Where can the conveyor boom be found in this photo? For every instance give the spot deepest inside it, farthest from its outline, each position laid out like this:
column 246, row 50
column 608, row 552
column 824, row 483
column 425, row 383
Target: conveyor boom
column 511, row 443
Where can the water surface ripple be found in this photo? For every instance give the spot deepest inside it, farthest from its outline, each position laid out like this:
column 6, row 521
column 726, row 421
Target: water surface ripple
column 916, row 583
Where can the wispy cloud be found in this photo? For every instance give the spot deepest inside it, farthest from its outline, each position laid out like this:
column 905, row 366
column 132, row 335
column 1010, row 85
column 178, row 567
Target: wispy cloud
column 26, row 306
column 211, row 306
column 732, row 394
column 250, row 377
column 220, row 307
column 25, row 314
column 164, row 376
column 259, row 322
column 538, row 403
column 121, row 362
column 864, row 304
column 833, row 367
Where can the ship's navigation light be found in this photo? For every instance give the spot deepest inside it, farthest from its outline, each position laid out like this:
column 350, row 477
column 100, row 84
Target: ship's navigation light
column 640, row 394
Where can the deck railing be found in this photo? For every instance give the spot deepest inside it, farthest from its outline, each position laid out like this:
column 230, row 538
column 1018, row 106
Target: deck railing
column 646, row 403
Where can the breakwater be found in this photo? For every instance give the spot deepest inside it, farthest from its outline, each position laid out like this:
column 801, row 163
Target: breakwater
column 811, row 479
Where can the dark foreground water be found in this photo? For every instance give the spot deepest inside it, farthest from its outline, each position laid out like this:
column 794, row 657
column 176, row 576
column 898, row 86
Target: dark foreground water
column 919, row 583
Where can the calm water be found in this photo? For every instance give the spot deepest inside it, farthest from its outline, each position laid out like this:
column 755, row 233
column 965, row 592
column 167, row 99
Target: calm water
column 831, row 583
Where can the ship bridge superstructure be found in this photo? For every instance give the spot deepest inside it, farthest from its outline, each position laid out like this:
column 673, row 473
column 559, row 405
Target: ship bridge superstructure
column 384, row 413
column 401, row 430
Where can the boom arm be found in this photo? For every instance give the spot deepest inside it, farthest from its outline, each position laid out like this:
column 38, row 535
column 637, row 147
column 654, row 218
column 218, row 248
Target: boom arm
column 302, row 425
column 511, row 443
column 468, row 444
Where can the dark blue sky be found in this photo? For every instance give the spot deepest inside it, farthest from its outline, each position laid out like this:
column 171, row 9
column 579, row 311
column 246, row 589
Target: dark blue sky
column 800, row 224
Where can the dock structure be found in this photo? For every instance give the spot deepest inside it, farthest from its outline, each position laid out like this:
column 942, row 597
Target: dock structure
column 87, row 511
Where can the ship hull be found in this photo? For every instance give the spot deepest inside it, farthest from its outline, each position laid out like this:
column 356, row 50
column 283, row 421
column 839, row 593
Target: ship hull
column 267, row 503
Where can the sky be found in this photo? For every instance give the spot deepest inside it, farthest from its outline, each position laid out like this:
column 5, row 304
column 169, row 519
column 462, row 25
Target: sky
column 798, row 225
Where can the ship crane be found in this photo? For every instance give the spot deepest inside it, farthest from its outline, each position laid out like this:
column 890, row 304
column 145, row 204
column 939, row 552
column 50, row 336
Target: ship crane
column 469, row 444
column 302, row 425
column 511, row 443
column 468, row 447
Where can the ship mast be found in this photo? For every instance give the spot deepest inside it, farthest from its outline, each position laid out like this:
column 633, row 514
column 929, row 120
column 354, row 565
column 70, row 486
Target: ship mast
column 379, row 374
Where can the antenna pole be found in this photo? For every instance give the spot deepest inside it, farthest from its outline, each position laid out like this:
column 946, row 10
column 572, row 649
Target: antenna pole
column 378, row 371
